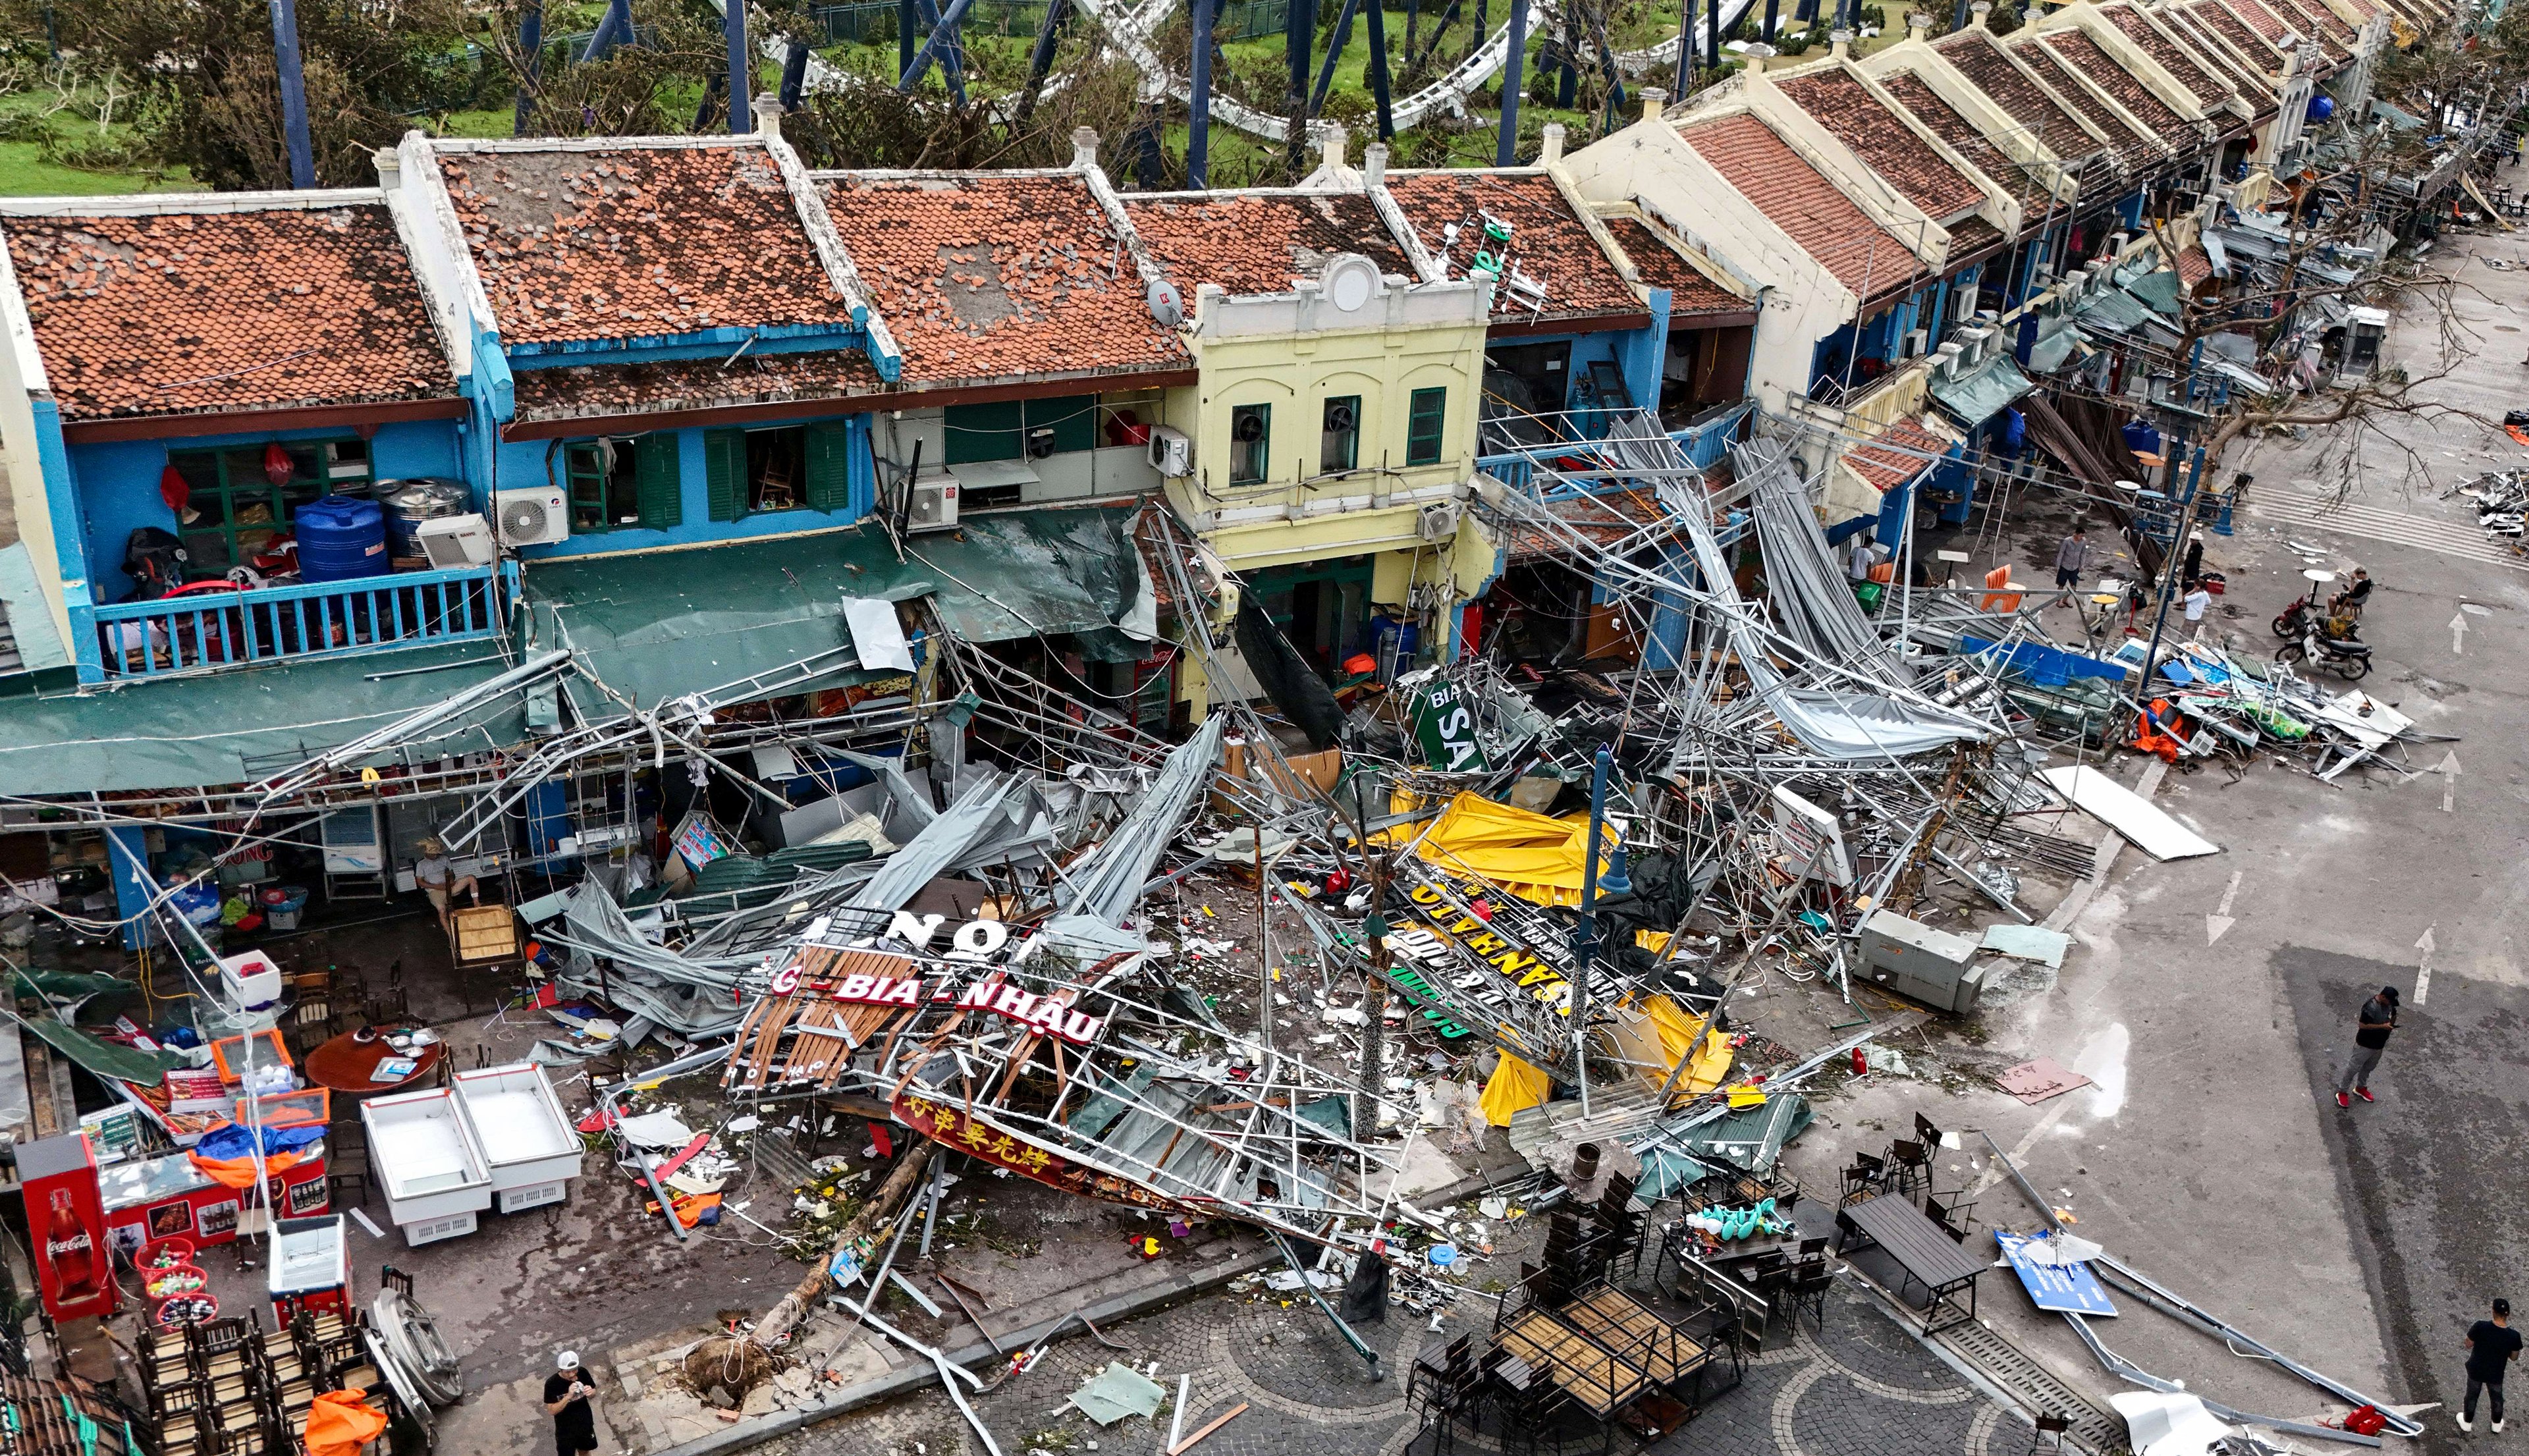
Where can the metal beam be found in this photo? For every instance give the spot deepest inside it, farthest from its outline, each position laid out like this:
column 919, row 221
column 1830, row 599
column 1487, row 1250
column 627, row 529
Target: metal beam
column 741, row 81
column 294, row 93
column 1506, row 149
column 1198, row 112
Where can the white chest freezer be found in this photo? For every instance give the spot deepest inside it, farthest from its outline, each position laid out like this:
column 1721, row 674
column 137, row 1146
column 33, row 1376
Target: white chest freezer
column 518, row 1123
column 426, row 1161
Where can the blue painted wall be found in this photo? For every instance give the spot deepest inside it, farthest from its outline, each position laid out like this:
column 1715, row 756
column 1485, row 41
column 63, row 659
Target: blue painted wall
column 116, row 485
column 522, row 466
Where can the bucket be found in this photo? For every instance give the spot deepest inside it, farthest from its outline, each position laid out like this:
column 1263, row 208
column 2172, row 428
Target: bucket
column 175, row 1281
column 410, row 503
column 282, row 904
column 166, row 1253
column 186, row 1308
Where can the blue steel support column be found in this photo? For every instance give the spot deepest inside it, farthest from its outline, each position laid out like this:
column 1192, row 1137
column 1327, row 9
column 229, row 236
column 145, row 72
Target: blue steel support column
column 1199, row 105
column 907, row 21
column 741, row 79
column 134, row 890
column 1584, row 936
column 613, row 29
column 531, row 47
column 1505, row 150
column 1299, row 29
column 795, row 76
column 1378, row 95
column 294, row 93
column 1334, row 54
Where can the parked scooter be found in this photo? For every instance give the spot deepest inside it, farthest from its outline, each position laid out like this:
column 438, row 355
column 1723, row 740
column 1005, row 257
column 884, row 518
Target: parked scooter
column 2292, row 620
column 2348, row 658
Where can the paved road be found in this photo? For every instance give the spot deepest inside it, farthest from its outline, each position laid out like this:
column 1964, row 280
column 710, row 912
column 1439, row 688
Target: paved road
column 1862, row 1387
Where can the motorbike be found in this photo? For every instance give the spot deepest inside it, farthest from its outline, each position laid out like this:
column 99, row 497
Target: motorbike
column 2348, row 658
column 2293, row 619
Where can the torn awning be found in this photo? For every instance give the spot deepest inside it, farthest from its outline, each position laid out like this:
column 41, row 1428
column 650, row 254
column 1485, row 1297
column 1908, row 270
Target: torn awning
column 236, row 726
column 655, row 625
column 1977, row 394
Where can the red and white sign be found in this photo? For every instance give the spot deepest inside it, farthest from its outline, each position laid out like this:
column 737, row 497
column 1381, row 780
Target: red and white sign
column 66, row 1217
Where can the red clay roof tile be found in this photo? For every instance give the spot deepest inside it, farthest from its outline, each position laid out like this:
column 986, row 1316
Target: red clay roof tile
column 1690, row 293
column 997, row 275
column 1861, row 254
column 1979, row 58
column 1259, row 242
column 185, row 312
column 2081, row 54
column 1846, row 107
column 1895, row 456
column 2253, row 47
column 2180, row 62
column 1548, row 240
column 637, row 241
column 1916, row 96
column 2136, row 149
column 598, row 390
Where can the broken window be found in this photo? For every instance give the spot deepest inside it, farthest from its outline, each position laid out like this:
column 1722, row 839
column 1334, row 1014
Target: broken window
column 1339, row 437
column 789, row 467
column 1426, row 426
column 1250, row 443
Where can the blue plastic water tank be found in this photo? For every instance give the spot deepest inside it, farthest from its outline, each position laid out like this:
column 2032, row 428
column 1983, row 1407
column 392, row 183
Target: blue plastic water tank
column 341, row 538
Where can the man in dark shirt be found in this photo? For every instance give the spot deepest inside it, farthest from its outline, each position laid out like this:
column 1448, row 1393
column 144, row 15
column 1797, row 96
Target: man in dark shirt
column 2492, row 1345
column 2379, row 1018
column 567, row 1401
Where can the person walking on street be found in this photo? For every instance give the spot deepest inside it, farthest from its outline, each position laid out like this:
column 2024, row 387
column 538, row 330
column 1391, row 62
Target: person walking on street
column 2072, row 558
column 2492, row 1345
column 566, row 1395
column 2379, row 1018
column 2197, row 600
column 2190, row 569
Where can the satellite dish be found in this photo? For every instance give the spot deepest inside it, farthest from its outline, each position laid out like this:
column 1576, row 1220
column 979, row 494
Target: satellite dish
column 1168, row 305
column 1350, row 281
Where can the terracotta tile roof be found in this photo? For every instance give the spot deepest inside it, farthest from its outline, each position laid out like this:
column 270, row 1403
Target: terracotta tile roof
column 1258, row 242
column 997, row 275
column 2194, row 265
column 2259, row 19
column 2136, row 149
column 595, row 390
column 1795, row 198
column 2215, row 51
column 1846, row 107
column 1917, row 96
column 1979, row 58
column 1690, row 293
column 634, row 241
column 1548, row 240
column 1970, row 237
column 2208, row 89
column 184, row 313
column 2335, row 39
column 1896, row 455
column 1603, row 520
column 2252, row 47
column 2081, row 53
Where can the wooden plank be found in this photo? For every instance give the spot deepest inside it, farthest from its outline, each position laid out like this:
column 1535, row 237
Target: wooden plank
column 1188, row 1443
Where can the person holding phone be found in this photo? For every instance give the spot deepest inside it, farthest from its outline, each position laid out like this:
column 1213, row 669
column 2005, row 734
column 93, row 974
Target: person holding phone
column 567, row 1401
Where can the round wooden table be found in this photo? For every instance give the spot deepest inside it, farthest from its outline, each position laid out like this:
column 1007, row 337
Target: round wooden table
column 350, row 1066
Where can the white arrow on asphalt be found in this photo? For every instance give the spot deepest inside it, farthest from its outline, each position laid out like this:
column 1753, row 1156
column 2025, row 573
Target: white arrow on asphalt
column 2448, row 768
column 2458, row 631
column 2424, row 966
column 2219, row 923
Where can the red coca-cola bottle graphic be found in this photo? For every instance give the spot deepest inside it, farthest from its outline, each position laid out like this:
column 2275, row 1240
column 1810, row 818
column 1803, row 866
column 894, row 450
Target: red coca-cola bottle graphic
column 71, row 1251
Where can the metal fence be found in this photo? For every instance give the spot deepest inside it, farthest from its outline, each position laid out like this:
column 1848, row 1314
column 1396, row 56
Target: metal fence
column 873, row 21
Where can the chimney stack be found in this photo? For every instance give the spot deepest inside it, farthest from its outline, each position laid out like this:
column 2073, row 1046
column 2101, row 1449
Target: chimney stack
column 1332, row 146
column 1373, row 164
column 1551, row 151
column 1978, row 13
column 768, row 114
column 1843, row 44
column 1654, row 102
column 1757, row 56
column 1918, row 26
column 1084, row 148
column 390, row 165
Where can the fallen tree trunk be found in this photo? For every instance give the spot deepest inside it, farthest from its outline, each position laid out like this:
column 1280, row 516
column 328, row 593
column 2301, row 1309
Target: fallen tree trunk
column 899, row 1184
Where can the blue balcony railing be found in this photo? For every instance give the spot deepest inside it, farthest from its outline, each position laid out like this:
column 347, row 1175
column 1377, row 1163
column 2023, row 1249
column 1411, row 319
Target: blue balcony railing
column 210, row 628
column 1704, row 442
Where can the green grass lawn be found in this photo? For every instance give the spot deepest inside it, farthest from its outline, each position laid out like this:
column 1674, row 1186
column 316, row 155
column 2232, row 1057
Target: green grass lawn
column 26, row 172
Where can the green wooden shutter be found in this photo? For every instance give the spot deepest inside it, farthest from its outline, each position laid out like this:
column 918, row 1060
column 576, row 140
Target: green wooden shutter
column 660, row 484
column 829, row 467
column 725, row 471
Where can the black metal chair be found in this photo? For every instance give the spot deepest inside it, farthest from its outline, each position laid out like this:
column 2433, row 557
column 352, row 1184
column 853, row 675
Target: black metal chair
column 1910, row 1169
column 1925, row 1132
column 2050, row 1431
column 1807, row 1291
column 1861, row 1180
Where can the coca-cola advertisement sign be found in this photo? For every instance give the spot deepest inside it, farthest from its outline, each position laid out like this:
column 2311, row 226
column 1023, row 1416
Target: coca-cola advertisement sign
column 66, row 1219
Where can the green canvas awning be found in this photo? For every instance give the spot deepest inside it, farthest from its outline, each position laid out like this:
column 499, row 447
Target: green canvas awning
column 2157, row 292
column 2112, row 309
column 655, row 625
column 2056, row 345
column 1984, row 392
column 236, row 727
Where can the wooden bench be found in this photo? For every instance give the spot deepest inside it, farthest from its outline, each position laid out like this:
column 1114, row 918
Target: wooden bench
column 1621, row 1324
column 1600, row 1381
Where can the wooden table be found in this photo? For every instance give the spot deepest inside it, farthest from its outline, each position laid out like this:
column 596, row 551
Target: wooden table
column 1926, row 1252
column 350, row 1066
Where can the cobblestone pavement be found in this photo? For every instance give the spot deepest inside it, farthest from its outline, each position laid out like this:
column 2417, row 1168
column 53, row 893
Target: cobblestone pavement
column 1864, row 1387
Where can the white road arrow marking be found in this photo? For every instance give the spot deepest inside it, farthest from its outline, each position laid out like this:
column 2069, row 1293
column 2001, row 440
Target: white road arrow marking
column 2458, row 631
column 2448, row 768
column 2424, row 966
column 2219, row 923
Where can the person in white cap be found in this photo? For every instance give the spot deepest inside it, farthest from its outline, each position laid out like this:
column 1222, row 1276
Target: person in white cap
column 567, row 1401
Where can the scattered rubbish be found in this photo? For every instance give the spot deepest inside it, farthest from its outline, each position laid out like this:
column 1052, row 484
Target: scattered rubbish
column 1188, row 1444
column 2027, row 943
column 2033, row 1082
column 1118, row 1391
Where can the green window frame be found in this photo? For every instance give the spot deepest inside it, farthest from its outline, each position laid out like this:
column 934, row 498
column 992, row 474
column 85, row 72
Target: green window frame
column 235, row 509
column 1250, row 443
column 1339, row 435
column 1002, row 429
column 1426, row 426
column 785, row 467
column 642, row 489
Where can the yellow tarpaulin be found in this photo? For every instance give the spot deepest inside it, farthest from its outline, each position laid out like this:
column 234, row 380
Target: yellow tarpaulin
column 1682, row 1034
column 1529, row 855
column 1515, row 1087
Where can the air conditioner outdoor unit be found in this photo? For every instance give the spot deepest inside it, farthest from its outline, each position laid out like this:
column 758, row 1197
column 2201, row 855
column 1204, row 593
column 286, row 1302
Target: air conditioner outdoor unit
column 454, row 541
column 532, row 517
column 1438, row 522
column 934, row 507
column 1917, row 341
column 1968, row 300
column 1171, row 453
